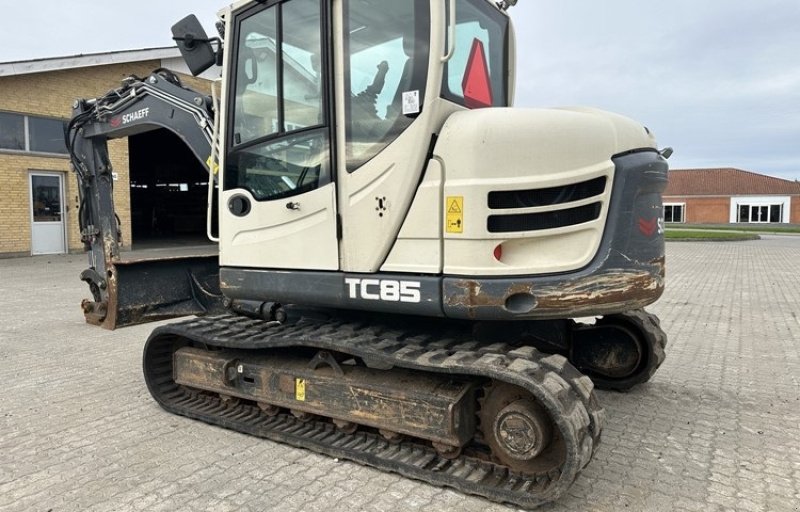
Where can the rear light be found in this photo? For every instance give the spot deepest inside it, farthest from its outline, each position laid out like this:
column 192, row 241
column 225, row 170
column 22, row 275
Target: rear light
column 498, row 252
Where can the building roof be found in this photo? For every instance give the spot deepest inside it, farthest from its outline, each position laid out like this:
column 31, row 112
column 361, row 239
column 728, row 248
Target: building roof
column 25, row 67
column 726, row 182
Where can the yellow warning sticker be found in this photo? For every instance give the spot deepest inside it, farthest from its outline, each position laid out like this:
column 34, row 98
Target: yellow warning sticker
column 215, row 168
column 300, row 390
column 455, row 214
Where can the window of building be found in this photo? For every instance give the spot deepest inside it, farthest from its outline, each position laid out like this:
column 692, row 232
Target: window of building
column 12, row 131
column 674, row 212
column 19, row 132
column 46, row 135
column 760, row 213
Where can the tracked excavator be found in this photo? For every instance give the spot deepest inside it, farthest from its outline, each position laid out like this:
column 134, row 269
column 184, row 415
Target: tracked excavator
column 412, row 274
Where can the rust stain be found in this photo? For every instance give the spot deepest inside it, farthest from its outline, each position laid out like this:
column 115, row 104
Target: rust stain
column 614, row 286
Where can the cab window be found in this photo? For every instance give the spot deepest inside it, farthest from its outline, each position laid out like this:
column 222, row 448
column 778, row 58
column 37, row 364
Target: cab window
column 477, row 74
column 387, row 46
column 279, row 143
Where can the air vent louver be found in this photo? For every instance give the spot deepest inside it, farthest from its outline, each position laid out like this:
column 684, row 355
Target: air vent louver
column 547, row 196
column 543, row 220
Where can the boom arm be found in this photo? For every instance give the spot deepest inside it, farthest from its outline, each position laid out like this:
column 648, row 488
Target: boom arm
column 138, row 106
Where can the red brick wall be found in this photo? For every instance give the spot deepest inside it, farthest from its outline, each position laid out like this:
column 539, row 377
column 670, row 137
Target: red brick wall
column 704, row 210
column 708, row 210
column 717, row 210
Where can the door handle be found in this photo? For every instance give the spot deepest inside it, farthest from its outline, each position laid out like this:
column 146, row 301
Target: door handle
column 292, row 206
column 238, row 205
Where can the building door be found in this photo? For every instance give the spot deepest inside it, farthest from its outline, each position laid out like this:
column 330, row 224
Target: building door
column 761, row 214
column 47, row 213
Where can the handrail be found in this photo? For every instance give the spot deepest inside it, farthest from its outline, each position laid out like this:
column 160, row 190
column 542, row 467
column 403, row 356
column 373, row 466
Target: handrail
column 213, row 166
column 451, row 32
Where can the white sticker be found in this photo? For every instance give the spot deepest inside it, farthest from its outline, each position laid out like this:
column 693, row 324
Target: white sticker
column 114, row 176
column 410, row 103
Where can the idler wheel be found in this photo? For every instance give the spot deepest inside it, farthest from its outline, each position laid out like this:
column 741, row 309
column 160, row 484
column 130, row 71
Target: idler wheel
column 619, row 351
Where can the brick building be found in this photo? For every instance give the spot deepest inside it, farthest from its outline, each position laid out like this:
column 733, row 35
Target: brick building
column 730, row 196
column 38, row 196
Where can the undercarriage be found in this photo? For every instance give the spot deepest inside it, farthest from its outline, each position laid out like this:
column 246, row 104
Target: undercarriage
column 429, row 399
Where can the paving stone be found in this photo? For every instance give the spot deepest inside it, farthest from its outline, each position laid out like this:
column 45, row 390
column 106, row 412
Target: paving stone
column 718, row 427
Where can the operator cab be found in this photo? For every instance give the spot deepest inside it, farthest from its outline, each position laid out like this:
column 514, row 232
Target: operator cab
column 327, row 133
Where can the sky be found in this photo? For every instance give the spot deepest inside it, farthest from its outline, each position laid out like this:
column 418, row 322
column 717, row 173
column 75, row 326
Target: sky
column 717, row 80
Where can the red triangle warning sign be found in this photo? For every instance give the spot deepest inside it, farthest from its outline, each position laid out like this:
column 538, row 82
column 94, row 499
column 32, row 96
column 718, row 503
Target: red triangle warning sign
column 477, row 84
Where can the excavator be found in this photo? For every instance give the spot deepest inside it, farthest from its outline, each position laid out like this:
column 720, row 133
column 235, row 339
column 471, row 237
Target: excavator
column 411, row 273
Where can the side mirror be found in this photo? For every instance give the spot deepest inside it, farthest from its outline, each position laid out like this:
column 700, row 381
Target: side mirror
column 194, row 44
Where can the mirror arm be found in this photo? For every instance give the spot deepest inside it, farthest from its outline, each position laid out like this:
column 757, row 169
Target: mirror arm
column 190, row 40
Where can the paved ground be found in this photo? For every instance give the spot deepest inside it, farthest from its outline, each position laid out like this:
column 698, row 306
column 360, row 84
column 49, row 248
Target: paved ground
column 718, row 428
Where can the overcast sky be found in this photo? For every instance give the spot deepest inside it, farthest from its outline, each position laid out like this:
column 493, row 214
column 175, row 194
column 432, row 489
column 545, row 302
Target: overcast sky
column 718, row 80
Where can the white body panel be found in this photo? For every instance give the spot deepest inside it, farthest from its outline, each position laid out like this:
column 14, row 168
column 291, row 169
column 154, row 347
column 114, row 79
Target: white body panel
column 391, row 177
column 419, row 244
column 274, row 236
column 522, row 149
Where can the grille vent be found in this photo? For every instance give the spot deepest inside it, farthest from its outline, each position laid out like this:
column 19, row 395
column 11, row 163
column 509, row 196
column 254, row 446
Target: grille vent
column 547, row 196
column 543, row 220
column 566, row 195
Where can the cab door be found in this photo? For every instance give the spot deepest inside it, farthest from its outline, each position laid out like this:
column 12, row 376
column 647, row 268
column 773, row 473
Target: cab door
column 386, row 121
column 278, row 198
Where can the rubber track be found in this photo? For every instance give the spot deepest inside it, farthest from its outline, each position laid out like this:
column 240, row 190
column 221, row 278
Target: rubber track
column 566, row 393
column 649, row 326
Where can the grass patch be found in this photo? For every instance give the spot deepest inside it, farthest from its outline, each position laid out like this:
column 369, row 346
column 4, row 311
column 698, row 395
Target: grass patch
column 749, row 228
column 708, row 235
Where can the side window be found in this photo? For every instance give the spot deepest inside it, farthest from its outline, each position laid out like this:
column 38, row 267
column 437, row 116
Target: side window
column 387, row 45
column 46, row 135
column 35, row 134
column 477, row 74
column 256, row 105
column 280, row 138
column 12, row 131
column 289, row 166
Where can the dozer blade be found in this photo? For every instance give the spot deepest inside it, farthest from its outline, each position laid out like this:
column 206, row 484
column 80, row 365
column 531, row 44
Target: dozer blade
column 147, row 290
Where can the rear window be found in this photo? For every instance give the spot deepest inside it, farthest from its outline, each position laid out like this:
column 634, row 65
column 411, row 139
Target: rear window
column 481, row 48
